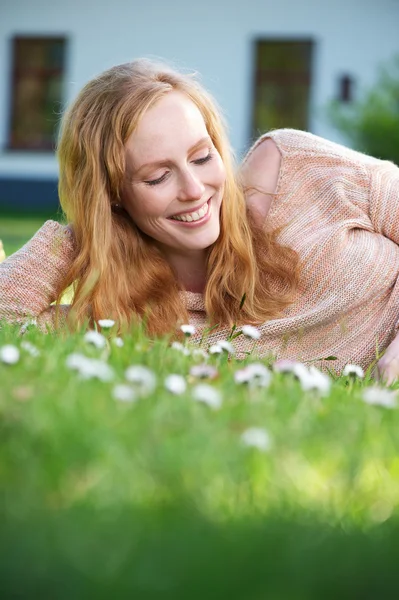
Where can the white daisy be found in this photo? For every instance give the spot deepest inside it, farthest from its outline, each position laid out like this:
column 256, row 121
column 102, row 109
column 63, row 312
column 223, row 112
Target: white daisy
column 106, row 323
column 89, row 368
column 188, row 330
column 309, row 378
column 118, row 341
column 204, row 371
column 144, row 379
column 9, row 354
column 199, row 353
column 74, row 361
column 181, row 348
column 95, row 338
column 353, row 371
column 208, row 395
column 176, row 384
column 30, row 348
column 289, row 366
column 226, row 346
column 380, row 396
column 255, row 375
column 251, row 332
column 124, row 393
column 93, row 368
column 215, row 349
column 256, row 437
column 315, row 380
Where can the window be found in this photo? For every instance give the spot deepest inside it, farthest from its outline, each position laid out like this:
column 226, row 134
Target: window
column 36, row 92
column 282, row 85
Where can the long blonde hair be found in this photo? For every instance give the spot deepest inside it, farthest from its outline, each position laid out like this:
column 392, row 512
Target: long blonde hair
column 118, row 271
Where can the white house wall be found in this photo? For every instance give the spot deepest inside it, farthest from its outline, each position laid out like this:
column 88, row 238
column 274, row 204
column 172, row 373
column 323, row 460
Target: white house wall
column 215, row 37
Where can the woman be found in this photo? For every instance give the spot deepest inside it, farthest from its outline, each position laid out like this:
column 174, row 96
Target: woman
column 159, row 227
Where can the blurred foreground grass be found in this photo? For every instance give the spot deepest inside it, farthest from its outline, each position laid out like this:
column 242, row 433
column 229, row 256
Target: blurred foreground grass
column 159, row 498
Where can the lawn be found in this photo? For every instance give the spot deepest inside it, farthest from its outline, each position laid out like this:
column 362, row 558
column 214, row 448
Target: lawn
column 15, row 231
column 150, row 491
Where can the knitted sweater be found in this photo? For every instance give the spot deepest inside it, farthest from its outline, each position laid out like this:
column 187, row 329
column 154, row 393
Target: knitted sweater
column 339, row 210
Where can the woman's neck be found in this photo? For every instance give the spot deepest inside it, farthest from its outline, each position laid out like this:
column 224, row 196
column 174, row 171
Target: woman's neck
column 190, row 269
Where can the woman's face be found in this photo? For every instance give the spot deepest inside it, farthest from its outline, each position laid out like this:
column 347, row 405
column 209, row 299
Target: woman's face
column 174, row 177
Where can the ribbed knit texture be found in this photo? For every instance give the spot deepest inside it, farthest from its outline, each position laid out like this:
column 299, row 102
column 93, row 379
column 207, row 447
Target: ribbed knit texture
column 340, row 212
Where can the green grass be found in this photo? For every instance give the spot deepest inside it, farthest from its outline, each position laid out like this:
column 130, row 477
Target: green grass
column 159, row 498
column 15, row 231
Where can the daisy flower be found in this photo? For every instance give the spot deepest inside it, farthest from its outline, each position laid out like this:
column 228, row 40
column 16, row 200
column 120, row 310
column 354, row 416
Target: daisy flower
column 251, row 332
column 9, row 354
column 106, row 323
column 204, row 371
column 256, row 375
column 215, row 349
column 256, row 437
column 226, row 346
column 353, row 371
column 30, row 348
column 175, row 384
column 181, row 348
column 89, row 368
column 379, row 396
column 95, row 338
column 208, row 395
column 123, row 393
column 144, row 379
column 315, row 380
column 188, row 330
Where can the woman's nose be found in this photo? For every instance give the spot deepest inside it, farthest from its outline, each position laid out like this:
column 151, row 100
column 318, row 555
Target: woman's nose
column 191, row 187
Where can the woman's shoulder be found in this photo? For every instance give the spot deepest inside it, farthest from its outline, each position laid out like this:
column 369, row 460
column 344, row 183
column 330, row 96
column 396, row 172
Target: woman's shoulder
column 297, row 143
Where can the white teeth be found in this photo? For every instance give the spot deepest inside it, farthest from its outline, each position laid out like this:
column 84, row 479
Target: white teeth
column 195, row 216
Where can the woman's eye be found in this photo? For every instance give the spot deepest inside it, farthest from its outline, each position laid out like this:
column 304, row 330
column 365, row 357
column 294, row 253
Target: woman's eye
column 156, row 181
column 198, row 161
column 201, row 161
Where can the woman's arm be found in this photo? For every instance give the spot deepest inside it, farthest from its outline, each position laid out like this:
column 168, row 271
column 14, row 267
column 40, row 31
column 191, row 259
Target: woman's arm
column 384, row 199
column 32, row 278
column 384, row 214
column 387, row 368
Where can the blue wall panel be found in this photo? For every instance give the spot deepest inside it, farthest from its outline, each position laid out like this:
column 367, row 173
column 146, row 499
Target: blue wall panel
column 31, row 195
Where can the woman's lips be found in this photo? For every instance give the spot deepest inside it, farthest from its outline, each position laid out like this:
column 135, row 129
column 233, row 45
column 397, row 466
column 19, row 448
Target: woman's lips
column 199, row 221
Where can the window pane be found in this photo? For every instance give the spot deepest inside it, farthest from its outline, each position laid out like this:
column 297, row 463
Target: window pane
column 37, row 92
column 282, row 86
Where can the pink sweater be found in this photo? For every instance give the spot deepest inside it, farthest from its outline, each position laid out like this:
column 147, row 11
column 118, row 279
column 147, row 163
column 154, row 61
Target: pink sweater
column 340, row 212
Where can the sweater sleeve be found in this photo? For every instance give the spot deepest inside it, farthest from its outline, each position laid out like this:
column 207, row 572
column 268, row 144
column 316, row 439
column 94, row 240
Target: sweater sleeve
column 32, row 278
column 384, row 199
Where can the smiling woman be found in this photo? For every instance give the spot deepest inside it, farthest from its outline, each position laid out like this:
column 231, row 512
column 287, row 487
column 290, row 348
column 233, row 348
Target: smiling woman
column 147, row 181
column 161, row 226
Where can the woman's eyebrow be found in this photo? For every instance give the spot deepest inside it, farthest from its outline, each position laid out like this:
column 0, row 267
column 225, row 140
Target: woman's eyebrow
column 162, row 163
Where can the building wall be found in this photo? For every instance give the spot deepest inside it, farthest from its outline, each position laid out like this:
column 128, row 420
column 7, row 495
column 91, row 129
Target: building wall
column 214, row 37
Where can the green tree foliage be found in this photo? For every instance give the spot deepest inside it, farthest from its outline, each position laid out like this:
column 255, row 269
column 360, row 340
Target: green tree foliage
column 371, row 123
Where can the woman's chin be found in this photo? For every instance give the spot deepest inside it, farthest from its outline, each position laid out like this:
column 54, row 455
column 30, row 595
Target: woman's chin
column 205, row 240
